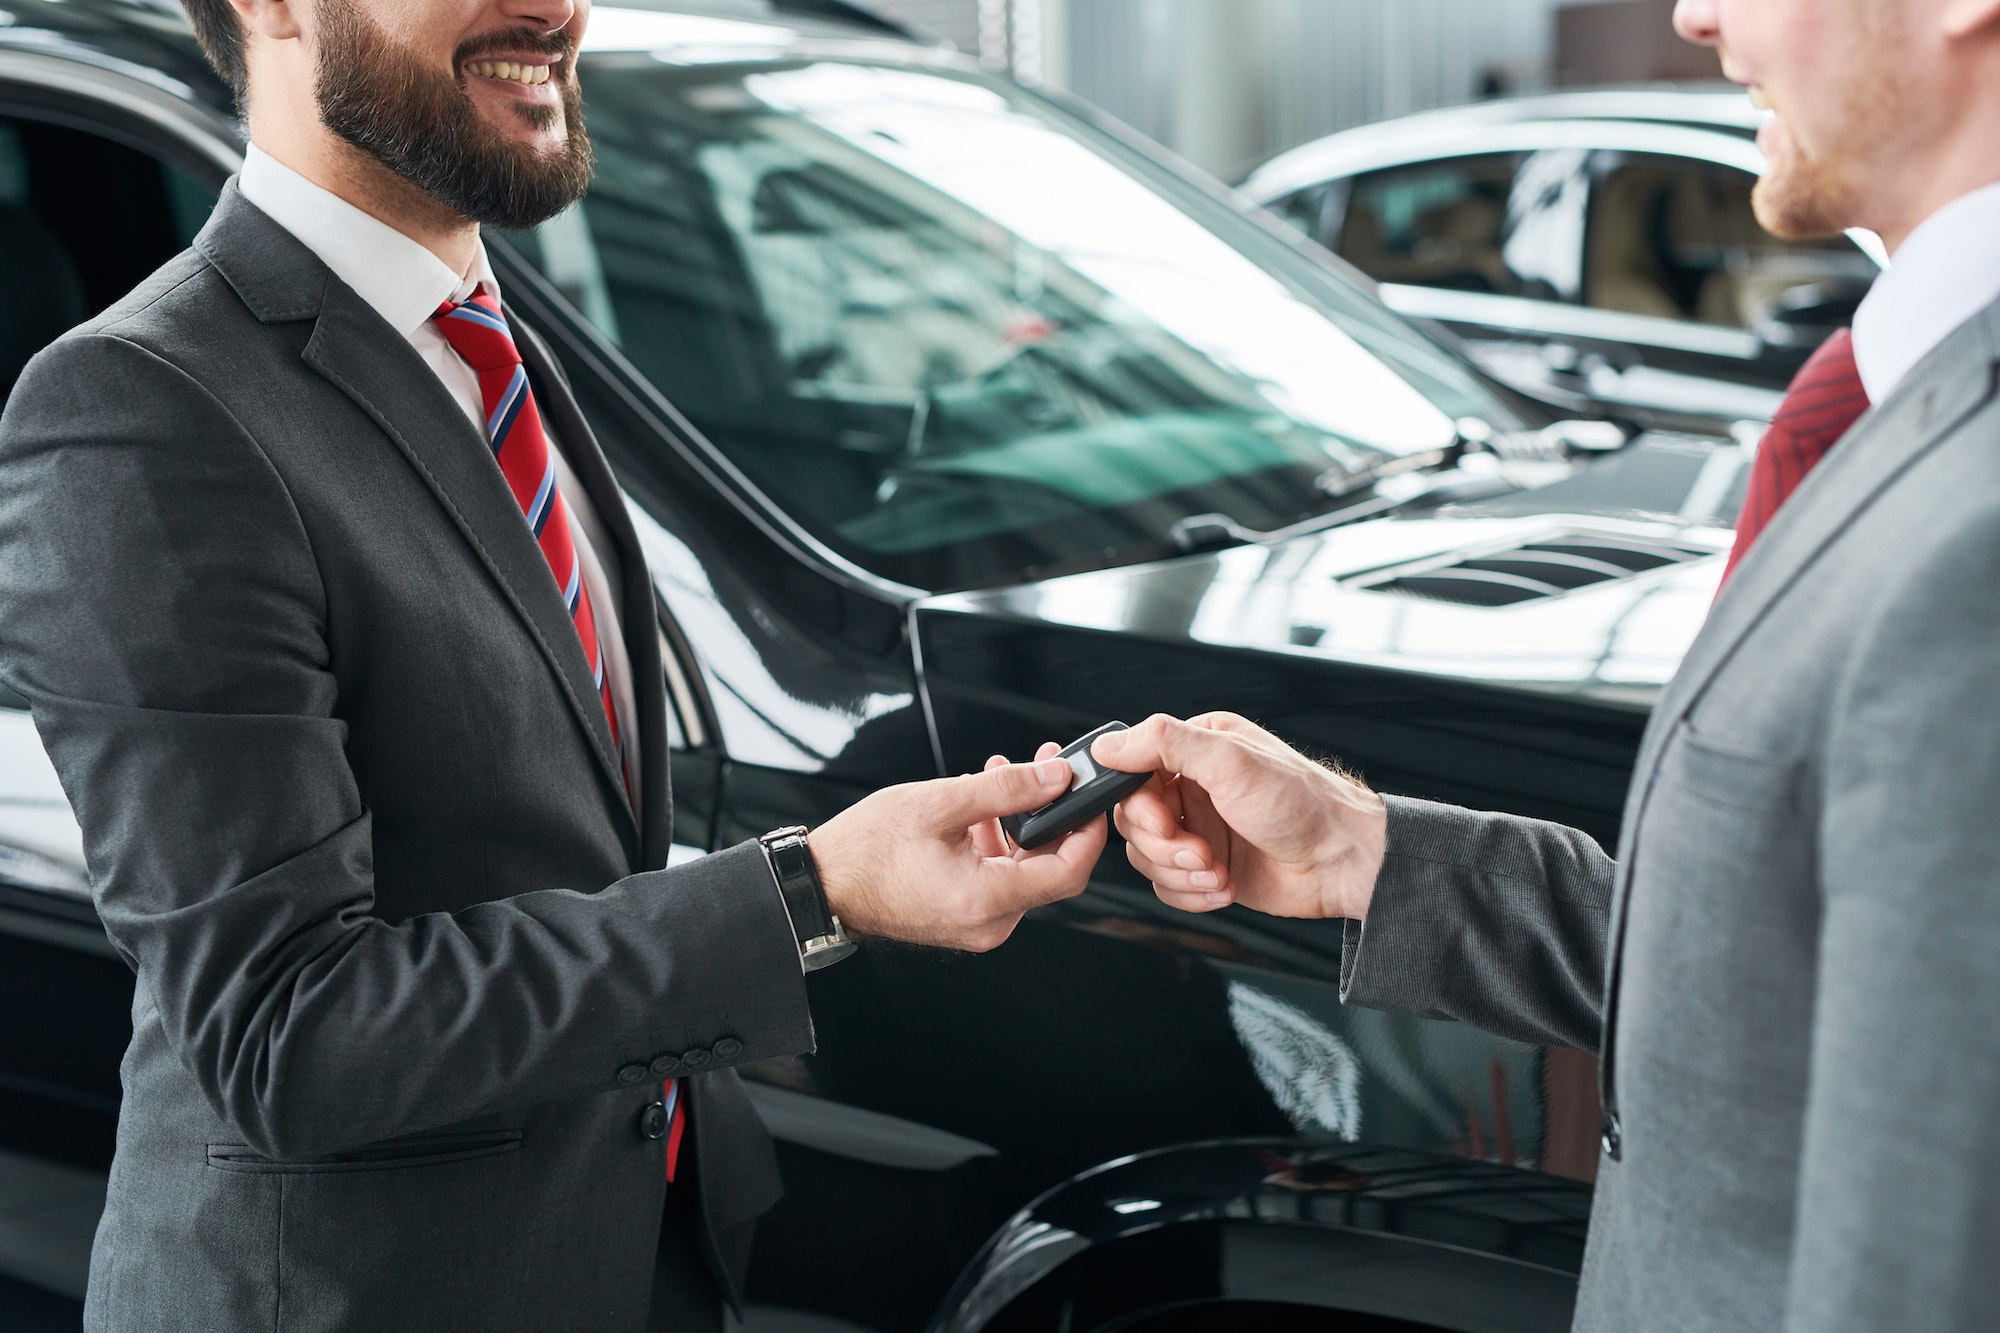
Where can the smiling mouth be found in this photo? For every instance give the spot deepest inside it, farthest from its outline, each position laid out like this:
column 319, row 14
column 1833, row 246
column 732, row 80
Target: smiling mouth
column 511, row 71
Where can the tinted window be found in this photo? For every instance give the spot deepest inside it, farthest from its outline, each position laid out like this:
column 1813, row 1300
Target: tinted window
column 83, row 220
column 1510, row 224
column 943, row 326
column 1678, row 239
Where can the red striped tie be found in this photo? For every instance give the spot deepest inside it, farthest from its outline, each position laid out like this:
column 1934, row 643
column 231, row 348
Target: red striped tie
column 478, row 332
column 1824, row 402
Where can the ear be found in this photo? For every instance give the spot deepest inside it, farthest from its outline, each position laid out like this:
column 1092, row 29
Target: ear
column 278, row 20
column 1969, row 18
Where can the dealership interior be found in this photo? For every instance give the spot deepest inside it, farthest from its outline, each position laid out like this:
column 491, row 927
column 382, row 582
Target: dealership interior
column 1391, row 373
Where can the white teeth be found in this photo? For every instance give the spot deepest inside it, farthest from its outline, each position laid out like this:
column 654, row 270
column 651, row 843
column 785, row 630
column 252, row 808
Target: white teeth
column 510, row 70
column 1759, row 100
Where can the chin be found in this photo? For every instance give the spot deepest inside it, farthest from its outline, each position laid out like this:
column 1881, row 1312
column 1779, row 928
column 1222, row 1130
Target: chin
column 1796, row 202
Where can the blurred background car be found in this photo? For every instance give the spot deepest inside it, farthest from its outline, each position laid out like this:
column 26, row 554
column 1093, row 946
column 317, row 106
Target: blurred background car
column 953, row 418
column 1593, row 248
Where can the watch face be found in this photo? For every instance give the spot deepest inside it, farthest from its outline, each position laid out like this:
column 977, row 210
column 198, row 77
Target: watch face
column 825, row 951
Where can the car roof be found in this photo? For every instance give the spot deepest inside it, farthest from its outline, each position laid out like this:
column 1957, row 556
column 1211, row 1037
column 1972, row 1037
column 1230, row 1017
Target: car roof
column 1708, row 109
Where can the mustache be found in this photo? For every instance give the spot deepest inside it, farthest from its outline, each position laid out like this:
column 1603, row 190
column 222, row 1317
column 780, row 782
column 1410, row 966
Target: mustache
column 558, row 44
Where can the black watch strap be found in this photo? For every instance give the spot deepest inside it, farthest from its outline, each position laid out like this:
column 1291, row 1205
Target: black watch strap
column 820, row 938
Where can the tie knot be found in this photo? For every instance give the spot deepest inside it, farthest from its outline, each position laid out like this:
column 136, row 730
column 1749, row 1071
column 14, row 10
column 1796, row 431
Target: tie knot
column 1827, row 396
column 478, row 332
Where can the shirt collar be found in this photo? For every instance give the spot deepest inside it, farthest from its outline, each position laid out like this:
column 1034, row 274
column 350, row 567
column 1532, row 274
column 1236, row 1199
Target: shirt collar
column 1944, row 273
column 403, row 281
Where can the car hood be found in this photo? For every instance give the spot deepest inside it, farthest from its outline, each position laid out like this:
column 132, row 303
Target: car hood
column 1592, row 587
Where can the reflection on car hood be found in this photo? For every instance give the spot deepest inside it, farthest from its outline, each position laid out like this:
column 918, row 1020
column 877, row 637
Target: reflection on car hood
column 1569, row 590
column 40, row 844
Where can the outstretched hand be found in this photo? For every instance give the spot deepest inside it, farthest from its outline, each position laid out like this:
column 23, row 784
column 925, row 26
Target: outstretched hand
column 926, row 862
column 1234, row 815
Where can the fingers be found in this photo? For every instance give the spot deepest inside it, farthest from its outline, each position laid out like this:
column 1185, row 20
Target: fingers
column 1157, row 807
column 1196, row 891
column 1151, row 819
column 1006, row 789
column 988, row 839
column 1049, row 874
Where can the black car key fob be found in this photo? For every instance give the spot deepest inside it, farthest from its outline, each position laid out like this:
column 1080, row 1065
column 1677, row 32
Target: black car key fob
column 1093, row 791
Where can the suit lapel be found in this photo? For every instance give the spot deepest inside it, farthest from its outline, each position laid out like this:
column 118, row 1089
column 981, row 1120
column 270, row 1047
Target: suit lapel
column 354, row 350
column 638, row 613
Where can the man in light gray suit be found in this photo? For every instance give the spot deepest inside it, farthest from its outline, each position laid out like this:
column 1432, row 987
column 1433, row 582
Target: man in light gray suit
column 1792, row 969
column 333, row 622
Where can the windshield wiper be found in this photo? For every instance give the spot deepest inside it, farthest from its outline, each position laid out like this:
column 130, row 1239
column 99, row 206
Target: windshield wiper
column 1415, row 477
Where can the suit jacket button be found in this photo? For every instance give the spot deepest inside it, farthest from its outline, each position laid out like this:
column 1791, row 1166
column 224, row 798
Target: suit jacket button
column 653, row 1120
column 664, row 1066
column 631, row 1074
column 728, row 1048
column 1614, row 1138
column 697, row 1058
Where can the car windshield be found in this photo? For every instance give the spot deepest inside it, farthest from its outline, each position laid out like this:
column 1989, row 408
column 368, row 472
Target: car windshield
column 962, row 336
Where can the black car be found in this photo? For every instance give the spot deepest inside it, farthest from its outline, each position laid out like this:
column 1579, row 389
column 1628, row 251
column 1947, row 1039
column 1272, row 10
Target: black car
column 953, row 421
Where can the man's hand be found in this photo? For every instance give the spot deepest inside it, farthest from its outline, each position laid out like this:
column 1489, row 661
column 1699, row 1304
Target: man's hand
column 926, row 862
column 1234, row 815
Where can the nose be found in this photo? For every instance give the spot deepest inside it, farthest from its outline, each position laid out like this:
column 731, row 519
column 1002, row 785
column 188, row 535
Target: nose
column 1697, row 21
column 548, row 15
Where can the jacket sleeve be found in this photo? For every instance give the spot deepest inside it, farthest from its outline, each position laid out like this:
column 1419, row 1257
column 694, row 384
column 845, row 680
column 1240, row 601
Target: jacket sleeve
column 1489, row 919
column 1898, row 1209
column 161, row 611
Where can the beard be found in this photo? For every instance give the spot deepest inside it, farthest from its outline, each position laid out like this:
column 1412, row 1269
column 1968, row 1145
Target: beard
column 1805, row 199
column 423, row 126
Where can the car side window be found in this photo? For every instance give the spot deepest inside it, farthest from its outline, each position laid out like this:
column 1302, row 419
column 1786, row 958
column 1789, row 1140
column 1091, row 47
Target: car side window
column 83, row 219
column 1678, row 239
column 1436, row 224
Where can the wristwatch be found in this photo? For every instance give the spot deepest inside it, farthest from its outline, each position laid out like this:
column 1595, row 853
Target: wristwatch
column 821, row 940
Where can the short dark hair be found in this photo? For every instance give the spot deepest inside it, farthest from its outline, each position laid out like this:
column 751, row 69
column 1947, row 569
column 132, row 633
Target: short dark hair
column 221, row 37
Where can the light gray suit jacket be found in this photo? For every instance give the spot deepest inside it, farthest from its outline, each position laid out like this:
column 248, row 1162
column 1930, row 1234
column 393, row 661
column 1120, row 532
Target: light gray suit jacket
column 1792, row 970
column 410, row 970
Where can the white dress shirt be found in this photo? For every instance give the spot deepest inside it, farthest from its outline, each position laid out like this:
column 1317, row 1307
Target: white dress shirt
column 405, row 283
column 1944, row 273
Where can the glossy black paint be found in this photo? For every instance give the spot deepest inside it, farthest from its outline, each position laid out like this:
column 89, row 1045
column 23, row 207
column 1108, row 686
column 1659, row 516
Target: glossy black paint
column 1221, row 1226
column 951, row 1091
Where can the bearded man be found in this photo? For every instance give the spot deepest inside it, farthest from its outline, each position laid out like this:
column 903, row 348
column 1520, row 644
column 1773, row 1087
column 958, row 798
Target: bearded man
column 333, row 622
column 1791, row 972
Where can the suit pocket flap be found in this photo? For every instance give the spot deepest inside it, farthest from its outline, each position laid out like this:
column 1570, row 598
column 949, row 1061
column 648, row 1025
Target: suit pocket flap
column 1738, row 781
column 395, row 1154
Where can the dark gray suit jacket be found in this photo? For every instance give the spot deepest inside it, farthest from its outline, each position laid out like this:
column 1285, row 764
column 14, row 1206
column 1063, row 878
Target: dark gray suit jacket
column 1801, row 1055
column 409, row 969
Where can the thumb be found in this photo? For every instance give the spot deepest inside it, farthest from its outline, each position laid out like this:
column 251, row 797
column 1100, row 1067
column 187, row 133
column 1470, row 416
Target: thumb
column 1011, row 789
column 1201, row 750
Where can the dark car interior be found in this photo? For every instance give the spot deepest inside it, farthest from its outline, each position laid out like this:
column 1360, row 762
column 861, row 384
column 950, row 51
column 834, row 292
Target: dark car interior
column 1438, row 225
column 83, row 219
column 1677, row 239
